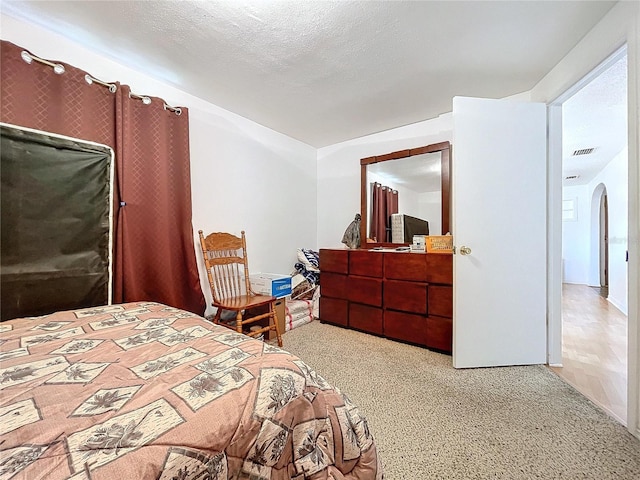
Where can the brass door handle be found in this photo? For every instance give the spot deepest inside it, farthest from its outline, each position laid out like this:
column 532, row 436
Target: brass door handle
column 465, row 250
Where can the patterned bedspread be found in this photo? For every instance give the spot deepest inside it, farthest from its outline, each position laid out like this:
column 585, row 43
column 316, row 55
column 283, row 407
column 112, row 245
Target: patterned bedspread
column 146, row 391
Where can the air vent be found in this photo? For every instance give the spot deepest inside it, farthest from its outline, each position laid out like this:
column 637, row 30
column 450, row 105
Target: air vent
column 571, row 177
column 583, row 151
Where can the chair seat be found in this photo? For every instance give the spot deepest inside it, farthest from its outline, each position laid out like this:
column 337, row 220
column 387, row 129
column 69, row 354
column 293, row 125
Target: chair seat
column 244, row 302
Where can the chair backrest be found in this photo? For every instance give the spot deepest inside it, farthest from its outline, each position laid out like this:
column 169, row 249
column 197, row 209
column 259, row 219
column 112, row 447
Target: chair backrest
column 225, row 257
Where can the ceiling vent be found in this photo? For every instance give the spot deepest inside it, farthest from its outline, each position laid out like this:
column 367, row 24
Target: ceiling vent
column 583, row 151
column 571, row 177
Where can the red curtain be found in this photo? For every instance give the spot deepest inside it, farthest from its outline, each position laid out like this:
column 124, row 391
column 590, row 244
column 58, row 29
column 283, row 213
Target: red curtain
column 384, row 202
column 377, row 224
column 154, row 257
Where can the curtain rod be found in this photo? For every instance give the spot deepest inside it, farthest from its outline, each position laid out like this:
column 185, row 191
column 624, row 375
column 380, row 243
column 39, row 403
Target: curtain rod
column 176, row 110
column 145, row 99
column 28, row 57
column 89, row 79
column 385, row 187
column 59, row 69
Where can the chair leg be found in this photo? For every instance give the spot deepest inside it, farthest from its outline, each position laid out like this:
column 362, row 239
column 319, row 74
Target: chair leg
column 274, row 319
column 239, row 321
column 216, row 319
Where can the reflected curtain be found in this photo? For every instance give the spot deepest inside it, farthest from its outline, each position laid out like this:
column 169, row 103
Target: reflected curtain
column 384, row 203
column 154, row 257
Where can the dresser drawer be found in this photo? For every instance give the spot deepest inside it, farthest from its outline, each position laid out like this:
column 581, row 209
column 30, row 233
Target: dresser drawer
column 406, row 296
column 365, row 290
column 336, row 261
column 439, row 268
column 405, row 266
column 366, row 318
column 366, row 263
column 439, row 333
column 333, row 285
column 405, row 326
column 441, row 300
column 334, row 310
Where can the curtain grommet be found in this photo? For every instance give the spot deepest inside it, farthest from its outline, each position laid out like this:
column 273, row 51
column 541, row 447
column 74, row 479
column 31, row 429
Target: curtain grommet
column 26, row 56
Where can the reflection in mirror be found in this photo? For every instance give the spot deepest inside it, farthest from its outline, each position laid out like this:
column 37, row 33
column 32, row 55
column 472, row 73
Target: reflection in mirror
column 405, row 193
column 416, row 181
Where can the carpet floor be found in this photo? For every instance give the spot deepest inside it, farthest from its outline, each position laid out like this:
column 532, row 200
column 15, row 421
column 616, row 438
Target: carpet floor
column 431, row 421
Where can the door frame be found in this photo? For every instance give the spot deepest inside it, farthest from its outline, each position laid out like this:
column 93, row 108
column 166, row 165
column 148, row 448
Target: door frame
column 554, row 232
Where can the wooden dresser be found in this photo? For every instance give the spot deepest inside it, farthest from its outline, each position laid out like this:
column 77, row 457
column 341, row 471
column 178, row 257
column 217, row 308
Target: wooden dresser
column 400, row 295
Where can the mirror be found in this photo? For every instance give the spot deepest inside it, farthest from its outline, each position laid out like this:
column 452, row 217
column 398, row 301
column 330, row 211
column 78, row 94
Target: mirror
column 421, row 178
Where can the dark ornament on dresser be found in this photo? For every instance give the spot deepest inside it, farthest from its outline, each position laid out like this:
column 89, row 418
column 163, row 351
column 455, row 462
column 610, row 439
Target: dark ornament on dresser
column 351, row 237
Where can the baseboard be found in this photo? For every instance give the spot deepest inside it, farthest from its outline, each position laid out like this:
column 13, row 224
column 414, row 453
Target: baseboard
column 616, row 304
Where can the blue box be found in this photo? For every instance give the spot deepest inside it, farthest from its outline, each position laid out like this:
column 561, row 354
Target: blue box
column 274, row 284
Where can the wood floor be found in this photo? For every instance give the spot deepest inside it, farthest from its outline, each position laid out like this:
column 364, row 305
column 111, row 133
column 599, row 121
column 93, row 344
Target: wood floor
column 594, row 351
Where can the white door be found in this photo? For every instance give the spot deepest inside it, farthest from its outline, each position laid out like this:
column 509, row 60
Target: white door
column 499, row 213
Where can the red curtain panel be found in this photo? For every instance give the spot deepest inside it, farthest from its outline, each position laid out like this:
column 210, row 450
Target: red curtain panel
column 384, row 201
column 159, row 259
column 377, row 224
column 154, row 257
column 392, row 207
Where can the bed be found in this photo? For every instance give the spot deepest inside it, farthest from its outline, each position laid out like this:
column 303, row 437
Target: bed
column 143, row 390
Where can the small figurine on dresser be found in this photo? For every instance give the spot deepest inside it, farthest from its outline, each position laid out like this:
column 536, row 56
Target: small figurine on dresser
column 351, row 237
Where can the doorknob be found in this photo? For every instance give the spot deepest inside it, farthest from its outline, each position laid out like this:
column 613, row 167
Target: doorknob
column 465, row 250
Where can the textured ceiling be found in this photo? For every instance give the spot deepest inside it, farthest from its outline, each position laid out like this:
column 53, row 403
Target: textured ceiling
column 595, row 117
column 328, row 71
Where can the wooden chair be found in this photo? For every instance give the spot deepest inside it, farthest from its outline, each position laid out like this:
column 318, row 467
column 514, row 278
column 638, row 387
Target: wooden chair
column 225, row 257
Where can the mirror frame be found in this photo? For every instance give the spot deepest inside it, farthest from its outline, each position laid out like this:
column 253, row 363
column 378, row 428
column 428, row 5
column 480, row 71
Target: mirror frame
column 445, row 178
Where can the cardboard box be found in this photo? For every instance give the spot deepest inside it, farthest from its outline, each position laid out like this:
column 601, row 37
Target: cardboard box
column 439, row 244
column 271, row 284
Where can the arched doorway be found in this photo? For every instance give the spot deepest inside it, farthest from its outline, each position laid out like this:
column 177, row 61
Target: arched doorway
column 600, row 239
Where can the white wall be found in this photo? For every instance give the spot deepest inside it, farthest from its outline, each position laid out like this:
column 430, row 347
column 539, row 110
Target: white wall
column 339, row 171
column 614, row 179
column 580, row 238
column 430, row 208
column 576, row 236
column 408, row 202
column 244, row 176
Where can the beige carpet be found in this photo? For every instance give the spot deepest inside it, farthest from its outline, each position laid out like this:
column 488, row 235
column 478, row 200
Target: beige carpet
column 432, row 421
